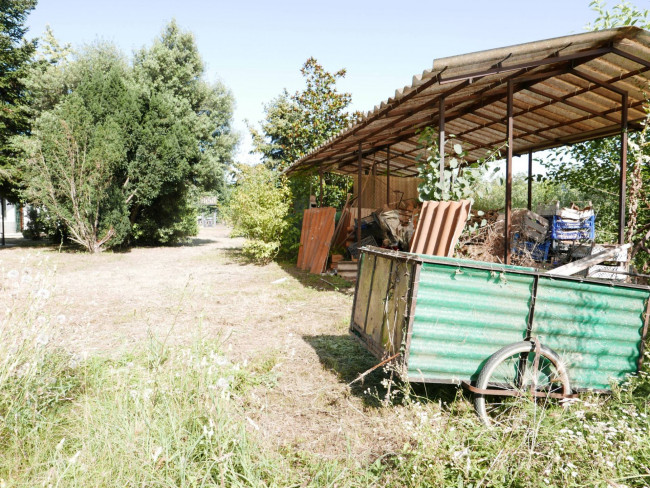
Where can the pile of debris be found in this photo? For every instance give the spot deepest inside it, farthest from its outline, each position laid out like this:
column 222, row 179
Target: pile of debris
column 553, row 236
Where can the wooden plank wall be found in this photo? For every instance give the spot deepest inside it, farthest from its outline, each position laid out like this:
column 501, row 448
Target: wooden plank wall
column 381, row 301
column 374, row 189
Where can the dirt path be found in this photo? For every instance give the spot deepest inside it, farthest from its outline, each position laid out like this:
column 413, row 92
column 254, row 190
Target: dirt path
column 111, row 303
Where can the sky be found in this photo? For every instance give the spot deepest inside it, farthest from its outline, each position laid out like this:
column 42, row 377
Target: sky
column 256, row 48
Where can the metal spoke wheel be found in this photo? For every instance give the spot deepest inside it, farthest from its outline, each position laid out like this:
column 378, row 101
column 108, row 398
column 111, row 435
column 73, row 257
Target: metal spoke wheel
column 530, row 373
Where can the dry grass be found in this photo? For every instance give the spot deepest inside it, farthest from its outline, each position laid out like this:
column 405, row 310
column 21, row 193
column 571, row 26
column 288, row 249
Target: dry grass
column 114, row 302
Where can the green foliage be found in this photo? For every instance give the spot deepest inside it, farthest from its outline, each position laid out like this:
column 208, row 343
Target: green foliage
column 295, row 124
column 151, row 136
column 258, row 209
column 622, row 14
column 15, row 58
column 186, row 140
column 460, row 180
column 78, row 150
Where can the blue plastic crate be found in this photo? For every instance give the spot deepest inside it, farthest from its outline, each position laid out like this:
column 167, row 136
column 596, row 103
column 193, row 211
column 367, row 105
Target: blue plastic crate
column 538, row 250
column 570, row 230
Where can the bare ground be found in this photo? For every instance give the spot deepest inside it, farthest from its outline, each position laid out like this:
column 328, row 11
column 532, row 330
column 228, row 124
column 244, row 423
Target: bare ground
column 114, row 302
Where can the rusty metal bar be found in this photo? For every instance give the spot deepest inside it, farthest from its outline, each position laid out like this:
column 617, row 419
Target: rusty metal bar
column 359, row 195
column 528, row 65
column 515, row 393
column 530, row 180
column 320, row 177
column 631, row 57
column 387, row 175
column 508, row 209
column 623, row 179
column 441, row 140
column 596, row 81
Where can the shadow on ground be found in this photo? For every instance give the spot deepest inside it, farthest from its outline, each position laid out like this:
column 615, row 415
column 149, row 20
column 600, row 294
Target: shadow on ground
column 316, row 281
column 345, row 357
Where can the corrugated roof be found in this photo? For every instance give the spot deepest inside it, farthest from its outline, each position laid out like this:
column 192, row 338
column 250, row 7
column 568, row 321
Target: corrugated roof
column 559, row 99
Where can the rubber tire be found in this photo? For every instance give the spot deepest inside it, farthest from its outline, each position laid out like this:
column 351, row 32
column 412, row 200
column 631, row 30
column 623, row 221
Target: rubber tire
column 502, row 354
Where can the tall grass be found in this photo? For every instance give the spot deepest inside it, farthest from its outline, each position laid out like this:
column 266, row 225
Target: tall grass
column 177, row 416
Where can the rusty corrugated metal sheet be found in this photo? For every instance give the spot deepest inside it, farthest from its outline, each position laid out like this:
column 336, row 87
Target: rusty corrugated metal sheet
column 550, row 112
column 439, row 226
column 315, row 238
column 596, row 328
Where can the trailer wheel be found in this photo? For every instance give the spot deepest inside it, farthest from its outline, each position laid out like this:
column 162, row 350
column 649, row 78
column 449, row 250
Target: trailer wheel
column 513, row 368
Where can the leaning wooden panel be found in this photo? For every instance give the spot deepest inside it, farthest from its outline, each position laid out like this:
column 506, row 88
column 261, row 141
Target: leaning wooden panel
column 377, row 301
column 397, row 299
column 304, row 232
column 364, row 285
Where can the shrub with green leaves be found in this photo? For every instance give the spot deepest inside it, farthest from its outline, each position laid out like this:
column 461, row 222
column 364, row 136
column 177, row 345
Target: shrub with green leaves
column 460, row 179
column 257, row 210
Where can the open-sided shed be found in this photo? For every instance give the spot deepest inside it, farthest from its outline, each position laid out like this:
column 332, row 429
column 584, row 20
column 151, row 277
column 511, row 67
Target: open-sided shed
column 532, row 96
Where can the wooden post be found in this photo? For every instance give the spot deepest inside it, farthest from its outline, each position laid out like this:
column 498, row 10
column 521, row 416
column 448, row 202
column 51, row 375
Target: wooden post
column 530, row 180
column 622, row 190
column 388, row 175
column 508, row 212
column 441, row 140
column 359, row 195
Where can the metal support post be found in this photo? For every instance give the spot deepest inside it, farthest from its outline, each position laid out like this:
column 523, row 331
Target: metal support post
column 508, row 212
column 320, row 177
column 359, row 195
column 622, row 190
column 530, row 180
column 441, row 141
column 387, row 175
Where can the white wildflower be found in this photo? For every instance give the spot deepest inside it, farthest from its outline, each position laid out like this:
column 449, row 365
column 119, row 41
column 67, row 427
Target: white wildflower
column 156, row 454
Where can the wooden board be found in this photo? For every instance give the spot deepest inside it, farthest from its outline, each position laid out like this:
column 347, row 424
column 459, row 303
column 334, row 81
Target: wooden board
column 373, row 194
column 363, row 291
column 377, row 301
column 395, row 323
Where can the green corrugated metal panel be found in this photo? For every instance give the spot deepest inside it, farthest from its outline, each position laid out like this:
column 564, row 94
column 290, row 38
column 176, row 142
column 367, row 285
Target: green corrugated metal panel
column 470, row 262
column 464, row 315
column 595, row 328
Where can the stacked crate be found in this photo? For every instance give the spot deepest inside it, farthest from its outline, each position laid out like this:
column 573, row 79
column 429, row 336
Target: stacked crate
column 569, row 227
column 532, row 238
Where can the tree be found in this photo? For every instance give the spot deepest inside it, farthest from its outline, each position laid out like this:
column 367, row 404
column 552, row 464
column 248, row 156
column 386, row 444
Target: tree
column 77, row 157
column 164, row 134
column 295, row 124
column 257, row 210
column 15, row 55
column 187, row 138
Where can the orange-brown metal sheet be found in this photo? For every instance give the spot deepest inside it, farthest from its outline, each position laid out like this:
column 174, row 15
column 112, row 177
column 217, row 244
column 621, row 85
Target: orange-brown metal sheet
column 439, row 227
column 315, row 238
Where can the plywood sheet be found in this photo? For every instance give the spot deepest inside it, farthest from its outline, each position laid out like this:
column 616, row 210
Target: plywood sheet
column 373, row 194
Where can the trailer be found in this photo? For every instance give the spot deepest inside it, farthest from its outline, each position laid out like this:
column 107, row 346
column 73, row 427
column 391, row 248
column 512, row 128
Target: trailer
column 512, row 335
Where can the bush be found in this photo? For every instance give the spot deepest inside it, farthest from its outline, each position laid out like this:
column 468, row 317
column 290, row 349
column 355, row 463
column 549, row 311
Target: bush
column 257, row 210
